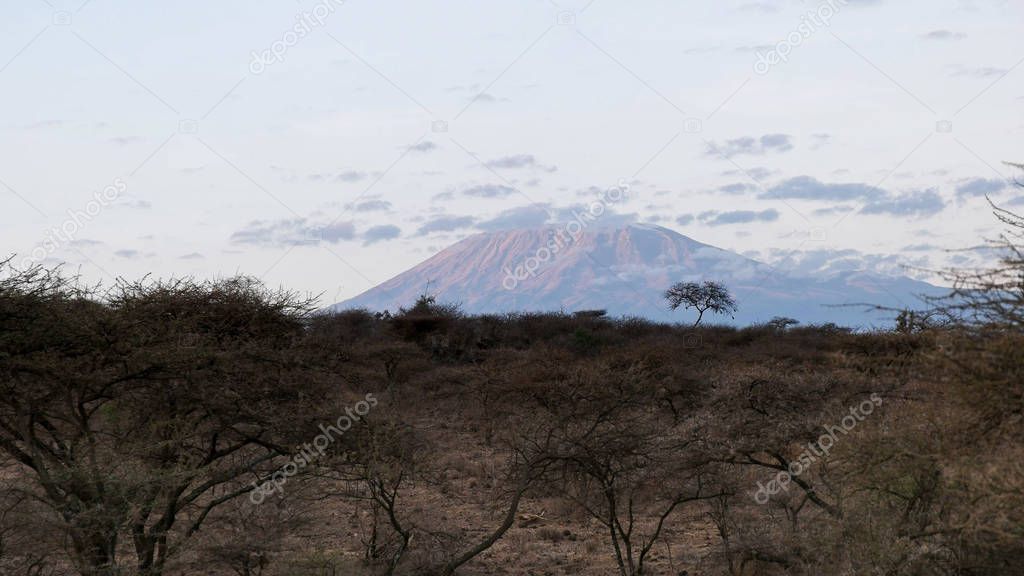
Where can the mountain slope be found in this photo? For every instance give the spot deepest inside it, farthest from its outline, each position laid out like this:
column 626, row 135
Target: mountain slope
column 626, row 270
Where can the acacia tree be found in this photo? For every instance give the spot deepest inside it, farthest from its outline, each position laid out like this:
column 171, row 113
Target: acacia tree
column 629, row 462
column 378, row 462
column 702, row 297
column 984, row 353
column 135, row 416
column 992, row 297
column 26, row 544
column 385, row 460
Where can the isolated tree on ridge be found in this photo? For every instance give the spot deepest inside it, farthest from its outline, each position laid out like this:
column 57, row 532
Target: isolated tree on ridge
column 709, row 295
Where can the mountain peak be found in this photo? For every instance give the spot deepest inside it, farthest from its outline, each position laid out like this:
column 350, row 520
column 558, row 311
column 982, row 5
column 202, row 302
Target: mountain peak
column 625, row 270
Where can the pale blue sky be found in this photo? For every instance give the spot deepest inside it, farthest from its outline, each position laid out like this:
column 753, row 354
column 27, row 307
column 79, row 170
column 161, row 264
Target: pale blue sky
column 325, row 172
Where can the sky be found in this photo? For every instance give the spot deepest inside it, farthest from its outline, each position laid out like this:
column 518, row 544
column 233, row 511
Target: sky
column 325, row 146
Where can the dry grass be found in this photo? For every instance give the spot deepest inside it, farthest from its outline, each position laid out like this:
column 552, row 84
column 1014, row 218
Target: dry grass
column 928, row 484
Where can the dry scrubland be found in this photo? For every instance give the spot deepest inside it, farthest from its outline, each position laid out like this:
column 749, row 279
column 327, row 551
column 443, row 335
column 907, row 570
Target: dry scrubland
column 134, row 427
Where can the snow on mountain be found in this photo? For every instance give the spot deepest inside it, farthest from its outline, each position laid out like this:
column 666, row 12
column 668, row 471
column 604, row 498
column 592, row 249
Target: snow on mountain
column 625, row 271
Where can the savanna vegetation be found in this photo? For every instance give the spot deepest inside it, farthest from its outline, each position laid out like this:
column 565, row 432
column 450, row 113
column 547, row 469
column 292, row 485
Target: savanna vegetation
column 185, row 427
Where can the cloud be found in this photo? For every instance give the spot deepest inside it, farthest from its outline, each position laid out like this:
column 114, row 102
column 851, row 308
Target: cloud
column 334, row 233
column 751, row 146
column 921, row 248
column 519, row 161
column 351, row 176
column 127, row 253
column 757, row 173
column 590, row 191
column 381, row 233
column 808, row 188
column 944, row 35
column 685, row 219
column 489, row 191
column 779, row 142
column 293, row 232
column 832, row 210
column 738, row 217
column 191, row 256
column 923, row 203
column 598, row 214
column 485, row 97
column 825, row 263
column 737, row 188
column 425, row 146
column 371, row 206
column 980, row 187
column 532, row 216
column 877, row 200
column 445, row 224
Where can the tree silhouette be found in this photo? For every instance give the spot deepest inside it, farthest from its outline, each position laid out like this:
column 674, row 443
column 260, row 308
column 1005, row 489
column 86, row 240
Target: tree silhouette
column 709, row 295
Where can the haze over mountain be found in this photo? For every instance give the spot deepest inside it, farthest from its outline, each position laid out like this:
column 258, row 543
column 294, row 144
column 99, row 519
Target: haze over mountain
column 625, row 271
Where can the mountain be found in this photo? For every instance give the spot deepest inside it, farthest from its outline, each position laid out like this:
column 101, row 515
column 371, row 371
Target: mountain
column 626, row 271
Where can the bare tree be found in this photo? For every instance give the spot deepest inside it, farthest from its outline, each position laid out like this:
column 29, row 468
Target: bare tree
column 138, row 415
column 385, row 460
column 629, row 462
column 782, row 323
column 525, row 470
column 375, row 463
column 248, row 539
column 27, row 537
column 702, row 297
column 993, row 296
